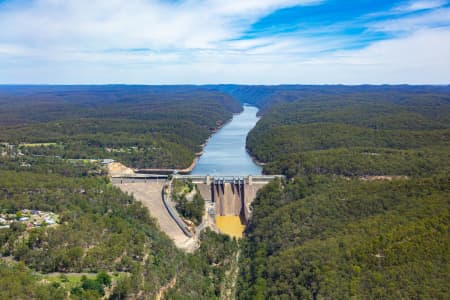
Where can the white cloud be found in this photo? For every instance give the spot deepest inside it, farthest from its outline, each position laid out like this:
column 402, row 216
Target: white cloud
column 420, row 5
column 435, row 18
column 96, row 24
column 420, row 58
column 198, row 41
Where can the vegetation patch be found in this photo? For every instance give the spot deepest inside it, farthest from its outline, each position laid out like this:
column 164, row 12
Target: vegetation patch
column 188, row 200
column 100, row 229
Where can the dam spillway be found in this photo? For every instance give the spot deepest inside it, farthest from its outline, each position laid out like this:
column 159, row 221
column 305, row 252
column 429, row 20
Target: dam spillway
column 230, row 195
column 228, row 199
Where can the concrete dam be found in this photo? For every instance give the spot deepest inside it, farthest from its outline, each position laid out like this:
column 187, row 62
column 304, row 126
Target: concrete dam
column 229, row 195
column 228, row 201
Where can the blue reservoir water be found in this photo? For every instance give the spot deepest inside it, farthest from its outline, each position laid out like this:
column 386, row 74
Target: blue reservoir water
column 225, row 152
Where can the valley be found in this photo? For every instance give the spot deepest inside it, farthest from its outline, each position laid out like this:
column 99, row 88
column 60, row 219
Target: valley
column 359, row 208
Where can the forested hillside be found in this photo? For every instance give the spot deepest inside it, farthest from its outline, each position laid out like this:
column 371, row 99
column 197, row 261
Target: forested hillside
column 141, row 126
column 65, row 231
column 98, row 229
column 398, row 132
column 364, row 212
column 333, row 238
column 266, row 96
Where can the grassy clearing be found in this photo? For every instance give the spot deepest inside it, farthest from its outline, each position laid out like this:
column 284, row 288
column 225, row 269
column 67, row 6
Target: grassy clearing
column 70, row 280
column 30, row 145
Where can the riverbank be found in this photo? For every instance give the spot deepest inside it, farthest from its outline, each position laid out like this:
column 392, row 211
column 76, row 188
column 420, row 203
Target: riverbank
column 225, row 152
column 192, row 166
column 171, row 171
column 255, row 160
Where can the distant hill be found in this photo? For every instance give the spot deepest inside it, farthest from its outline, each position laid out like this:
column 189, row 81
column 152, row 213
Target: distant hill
column 141, row 126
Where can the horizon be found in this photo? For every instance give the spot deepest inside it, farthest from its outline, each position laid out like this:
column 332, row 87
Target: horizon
column 193, row 42
column 232, row 84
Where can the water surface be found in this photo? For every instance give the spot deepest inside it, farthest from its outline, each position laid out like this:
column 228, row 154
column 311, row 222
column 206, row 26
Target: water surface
column 230, row 225
column 225, row 153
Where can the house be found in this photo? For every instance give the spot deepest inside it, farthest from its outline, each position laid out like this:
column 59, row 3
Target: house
column 50, row 221
column 106, row 161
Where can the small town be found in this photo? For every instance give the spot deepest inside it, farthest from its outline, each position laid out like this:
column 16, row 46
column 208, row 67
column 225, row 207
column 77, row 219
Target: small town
column 32, row 218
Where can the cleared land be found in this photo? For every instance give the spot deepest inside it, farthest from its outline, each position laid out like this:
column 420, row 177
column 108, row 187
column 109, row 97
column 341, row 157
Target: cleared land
column 117, row 168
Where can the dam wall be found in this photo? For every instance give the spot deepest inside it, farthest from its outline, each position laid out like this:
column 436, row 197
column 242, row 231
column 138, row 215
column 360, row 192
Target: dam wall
column 229, row 198
column 231, row 195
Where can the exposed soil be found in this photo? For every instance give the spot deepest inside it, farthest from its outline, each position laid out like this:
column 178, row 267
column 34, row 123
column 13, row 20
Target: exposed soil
column 389, row 178
column 117, row 168
column 163, row 289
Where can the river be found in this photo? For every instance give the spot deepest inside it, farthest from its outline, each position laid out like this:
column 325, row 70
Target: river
column 225, row 152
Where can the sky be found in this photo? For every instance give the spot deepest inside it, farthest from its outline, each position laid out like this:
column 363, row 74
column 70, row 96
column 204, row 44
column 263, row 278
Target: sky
column 224, row 41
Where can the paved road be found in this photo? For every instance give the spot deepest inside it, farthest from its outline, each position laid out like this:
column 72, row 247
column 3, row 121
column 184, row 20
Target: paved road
column 149, row 193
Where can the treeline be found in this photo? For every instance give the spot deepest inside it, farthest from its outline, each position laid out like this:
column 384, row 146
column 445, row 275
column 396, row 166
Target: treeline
column 99, row 229
column 358, row 162
column 267, row 96
column 305, row 135
column 141, row 126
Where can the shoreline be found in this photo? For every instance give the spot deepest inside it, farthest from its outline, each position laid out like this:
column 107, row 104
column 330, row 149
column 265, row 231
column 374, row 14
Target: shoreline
column 170, row 171
column 254, row 159
column 191, row 167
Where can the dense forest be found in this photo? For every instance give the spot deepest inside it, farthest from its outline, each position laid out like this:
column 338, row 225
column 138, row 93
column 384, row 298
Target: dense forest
column 102, row 242
column 140, row 126
column 324, row 237
column 267, row 96
column 364, row 211
column 100, row 229
column 376, row 132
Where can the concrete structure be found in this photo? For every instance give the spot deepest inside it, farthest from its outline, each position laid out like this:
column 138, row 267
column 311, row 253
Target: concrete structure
column 149, row 191
column 135, row 178
column 231, row 195
column 250, row 179
column 227, row 196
